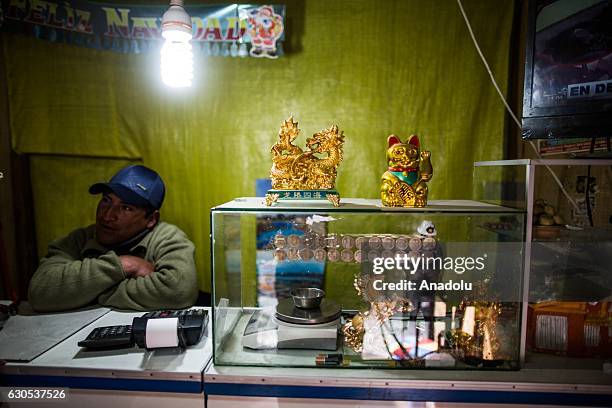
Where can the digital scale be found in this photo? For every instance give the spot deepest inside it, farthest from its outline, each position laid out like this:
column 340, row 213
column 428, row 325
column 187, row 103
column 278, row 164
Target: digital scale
column 291, row 327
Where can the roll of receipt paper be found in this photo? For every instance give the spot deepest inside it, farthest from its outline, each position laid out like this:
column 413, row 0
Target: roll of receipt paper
column 162, row 333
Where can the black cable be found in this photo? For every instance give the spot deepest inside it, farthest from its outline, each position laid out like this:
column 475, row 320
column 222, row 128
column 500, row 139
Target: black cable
column 586, row 196
column 387, row 324
column 399, row 343
column 382, row 333
column 588, row 186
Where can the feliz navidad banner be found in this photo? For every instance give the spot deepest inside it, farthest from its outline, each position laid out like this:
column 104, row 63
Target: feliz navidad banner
column 236, row 30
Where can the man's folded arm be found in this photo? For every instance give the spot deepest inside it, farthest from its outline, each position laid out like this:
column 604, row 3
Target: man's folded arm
column 172, row 285
column 62, row 281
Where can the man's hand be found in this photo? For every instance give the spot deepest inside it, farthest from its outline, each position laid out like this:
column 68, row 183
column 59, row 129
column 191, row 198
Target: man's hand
column 134, row 266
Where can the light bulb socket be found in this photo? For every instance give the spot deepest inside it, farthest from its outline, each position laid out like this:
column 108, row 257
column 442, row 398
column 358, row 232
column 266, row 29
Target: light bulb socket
column 176, row 18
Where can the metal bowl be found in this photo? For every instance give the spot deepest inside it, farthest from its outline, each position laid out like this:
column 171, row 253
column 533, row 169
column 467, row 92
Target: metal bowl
column 307, row 298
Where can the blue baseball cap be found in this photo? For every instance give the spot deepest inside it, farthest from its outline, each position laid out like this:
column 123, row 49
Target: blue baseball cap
column 135, row 185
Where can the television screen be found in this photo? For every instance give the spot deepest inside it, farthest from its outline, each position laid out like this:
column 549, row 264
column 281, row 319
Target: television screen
column 568, row 77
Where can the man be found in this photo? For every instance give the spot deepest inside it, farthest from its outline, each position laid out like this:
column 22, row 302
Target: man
column 127, row 260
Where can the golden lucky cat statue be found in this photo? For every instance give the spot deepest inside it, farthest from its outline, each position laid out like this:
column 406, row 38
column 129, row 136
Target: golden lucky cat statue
column 404, row 182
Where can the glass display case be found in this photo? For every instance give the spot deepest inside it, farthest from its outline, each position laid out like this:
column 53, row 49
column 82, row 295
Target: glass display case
column 568, row 252
column 306, row 284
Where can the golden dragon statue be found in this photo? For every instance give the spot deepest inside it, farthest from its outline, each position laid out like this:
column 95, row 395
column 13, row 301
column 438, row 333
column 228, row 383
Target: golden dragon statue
column 314, row 169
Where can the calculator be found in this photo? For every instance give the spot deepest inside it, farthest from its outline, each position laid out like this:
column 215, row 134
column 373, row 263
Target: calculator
column 109, row 337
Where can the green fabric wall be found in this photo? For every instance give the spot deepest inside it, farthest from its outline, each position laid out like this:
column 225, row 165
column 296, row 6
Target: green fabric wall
column 372, row 67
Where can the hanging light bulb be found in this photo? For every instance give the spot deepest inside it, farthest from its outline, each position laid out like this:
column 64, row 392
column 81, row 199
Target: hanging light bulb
column 176, row 53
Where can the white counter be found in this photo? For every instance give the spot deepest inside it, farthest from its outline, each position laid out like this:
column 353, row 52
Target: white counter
column 117, row 375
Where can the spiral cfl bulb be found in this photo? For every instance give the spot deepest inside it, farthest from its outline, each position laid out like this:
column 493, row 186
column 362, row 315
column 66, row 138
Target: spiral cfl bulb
column 176, row 53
